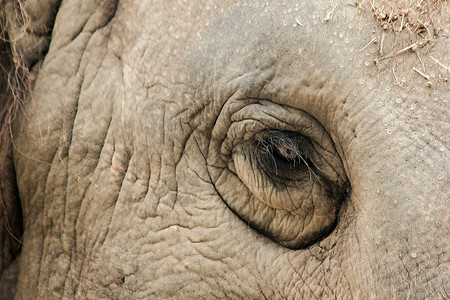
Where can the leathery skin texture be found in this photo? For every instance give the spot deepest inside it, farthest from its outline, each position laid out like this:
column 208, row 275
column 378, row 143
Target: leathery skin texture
column 241, row 149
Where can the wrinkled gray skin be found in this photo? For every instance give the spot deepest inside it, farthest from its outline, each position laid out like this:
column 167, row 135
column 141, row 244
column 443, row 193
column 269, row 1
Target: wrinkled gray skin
column 133, row 175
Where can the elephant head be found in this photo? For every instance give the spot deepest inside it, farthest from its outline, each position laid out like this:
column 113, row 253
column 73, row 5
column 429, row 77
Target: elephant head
column 241, row 149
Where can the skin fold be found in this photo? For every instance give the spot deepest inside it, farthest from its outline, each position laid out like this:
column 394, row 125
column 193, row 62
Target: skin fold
column 241, row 149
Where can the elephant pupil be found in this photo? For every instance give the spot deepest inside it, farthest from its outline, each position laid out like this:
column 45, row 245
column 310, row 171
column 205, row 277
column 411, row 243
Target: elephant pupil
column 287, row 153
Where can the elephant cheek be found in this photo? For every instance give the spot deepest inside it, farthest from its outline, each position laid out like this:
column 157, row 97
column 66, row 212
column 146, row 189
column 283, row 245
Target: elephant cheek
column 401, row 230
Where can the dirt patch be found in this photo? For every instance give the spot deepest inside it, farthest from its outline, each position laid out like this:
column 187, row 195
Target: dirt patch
column 423, row 18
column 410, row 26
column 420, row 21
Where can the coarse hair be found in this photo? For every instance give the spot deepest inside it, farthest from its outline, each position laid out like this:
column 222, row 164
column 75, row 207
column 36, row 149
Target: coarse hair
column 15, row 81
column 14, row 71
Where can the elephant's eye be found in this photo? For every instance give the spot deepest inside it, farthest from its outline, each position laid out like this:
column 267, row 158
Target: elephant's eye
column 277, row 168
column 295, row 188
column 285, row 155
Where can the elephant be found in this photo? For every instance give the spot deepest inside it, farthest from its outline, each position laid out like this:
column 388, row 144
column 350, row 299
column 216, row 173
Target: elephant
column 224, row 149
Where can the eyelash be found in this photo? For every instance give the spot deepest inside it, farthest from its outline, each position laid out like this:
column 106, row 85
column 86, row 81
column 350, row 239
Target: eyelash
column 269, row 156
